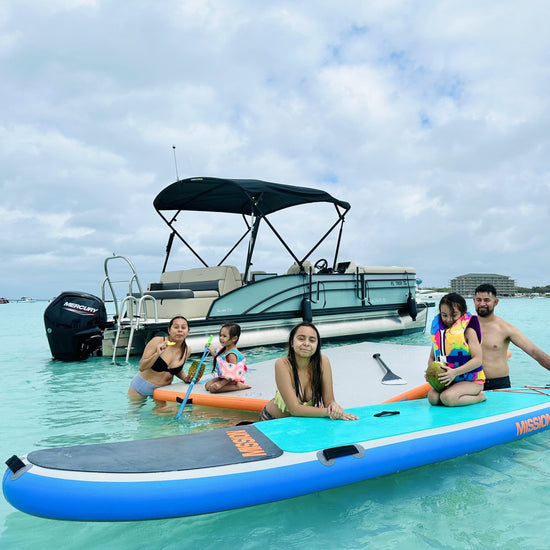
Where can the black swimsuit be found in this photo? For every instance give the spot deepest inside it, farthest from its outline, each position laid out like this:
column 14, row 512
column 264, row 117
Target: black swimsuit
column 160, row 365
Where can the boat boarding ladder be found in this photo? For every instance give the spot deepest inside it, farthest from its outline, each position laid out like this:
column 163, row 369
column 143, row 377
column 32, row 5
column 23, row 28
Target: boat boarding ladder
column 131, row 311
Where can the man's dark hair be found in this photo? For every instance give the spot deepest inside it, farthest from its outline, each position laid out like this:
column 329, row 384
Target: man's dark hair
column 486, row 287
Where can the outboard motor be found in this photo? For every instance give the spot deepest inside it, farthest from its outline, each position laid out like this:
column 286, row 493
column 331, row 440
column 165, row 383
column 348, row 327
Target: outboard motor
column 74, row 325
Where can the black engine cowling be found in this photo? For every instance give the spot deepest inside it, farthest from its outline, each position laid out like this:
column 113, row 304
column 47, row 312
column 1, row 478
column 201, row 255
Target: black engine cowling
column 74, row 325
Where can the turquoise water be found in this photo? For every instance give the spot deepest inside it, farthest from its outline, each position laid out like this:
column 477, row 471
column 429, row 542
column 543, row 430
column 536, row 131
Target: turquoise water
column 497, row 498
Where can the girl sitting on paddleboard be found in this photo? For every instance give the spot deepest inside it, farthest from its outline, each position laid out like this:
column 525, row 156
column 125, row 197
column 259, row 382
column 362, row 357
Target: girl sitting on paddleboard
column 229, row 362
column 304, row 380
column 456, row 344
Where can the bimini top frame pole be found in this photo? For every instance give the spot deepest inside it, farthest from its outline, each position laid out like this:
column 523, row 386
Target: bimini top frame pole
column 253, row 198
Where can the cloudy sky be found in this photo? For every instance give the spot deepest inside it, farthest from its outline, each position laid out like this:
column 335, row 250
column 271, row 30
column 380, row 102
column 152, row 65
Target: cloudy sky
column 431, row 118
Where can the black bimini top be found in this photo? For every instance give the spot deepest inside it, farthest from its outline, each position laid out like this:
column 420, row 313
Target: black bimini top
column 238, row 196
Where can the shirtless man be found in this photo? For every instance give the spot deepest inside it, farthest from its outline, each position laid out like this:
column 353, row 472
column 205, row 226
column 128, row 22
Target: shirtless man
column 496, row 335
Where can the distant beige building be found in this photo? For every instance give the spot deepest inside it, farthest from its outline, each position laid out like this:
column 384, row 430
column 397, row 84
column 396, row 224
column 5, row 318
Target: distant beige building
column 466, row 284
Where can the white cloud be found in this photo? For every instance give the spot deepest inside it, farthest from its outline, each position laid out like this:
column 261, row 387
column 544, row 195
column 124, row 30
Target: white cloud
column 430, row 118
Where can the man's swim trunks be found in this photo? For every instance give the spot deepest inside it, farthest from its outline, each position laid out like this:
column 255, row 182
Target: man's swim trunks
column 497, row 383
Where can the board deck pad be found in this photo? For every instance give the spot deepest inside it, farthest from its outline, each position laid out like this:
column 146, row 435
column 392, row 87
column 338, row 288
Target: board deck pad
column 209, row 449
column 357, row 377
column 300, row 434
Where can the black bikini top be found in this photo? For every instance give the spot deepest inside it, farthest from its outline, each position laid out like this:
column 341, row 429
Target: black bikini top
column 160, row 365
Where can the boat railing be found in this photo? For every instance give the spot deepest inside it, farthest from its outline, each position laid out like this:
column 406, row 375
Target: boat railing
column 130, row 311
column 133, row 320
column 114, row 284
column 361, row 286
column 313, row 287
column 317, row 289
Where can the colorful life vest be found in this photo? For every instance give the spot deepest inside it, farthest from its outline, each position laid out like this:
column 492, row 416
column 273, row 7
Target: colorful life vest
column 450, row 346
column 231, row 371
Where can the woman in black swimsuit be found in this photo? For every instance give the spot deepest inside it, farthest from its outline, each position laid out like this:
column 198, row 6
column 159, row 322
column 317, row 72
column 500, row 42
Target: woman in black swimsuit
column 162, row 359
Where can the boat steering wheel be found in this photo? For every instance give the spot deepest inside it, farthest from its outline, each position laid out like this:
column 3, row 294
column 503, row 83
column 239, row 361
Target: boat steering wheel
column 321, row 266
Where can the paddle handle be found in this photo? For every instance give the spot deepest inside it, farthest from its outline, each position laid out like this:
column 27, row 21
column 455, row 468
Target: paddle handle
column 379, row 359
column 180, row 411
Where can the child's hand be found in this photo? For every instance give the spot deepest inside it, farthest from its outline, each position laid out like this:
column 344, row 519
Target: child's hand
column 448, row 376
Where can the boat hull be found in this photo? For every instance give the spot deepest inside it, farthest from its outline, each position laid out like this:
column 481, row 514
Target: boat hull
column 247, row 465
column 378, row 301
column 263, row 332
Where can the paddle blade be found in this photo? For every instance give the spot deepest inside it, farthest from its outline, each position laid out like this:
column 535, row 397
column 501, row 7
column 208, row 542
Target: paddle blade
column 391, row 378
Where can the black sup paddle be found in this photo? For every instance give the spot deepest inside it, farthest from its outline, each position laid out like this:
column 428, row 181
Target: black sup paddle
column 389, row 377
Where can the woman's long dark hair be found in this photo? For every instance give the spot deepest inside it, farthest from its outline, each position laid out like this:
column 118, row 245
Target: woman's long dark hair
column 314, row 363
column 184, row 346
column 234, row 330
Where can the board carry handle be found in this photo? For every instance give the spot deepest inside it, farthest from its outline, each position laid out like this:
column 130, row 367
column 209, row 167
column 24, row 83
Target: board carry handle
column 14, row 463
column 343, row 450
column 180, row 400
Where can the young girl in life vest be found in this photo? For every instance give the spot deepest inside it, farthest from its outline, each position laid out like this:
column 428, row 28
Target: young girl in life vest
column 456, row 342
column 229, row 362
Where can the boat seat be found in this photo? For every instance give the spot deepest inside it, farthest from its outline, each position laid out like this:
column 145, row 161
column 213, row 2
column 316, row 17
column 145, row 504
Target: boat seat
column 190, row 292
column 294, row 269
column 190, row 308
column 346, row 267
column 183, row 294
column 223, row 278
column 199, row 286
column 190, row 304
column 159, row 295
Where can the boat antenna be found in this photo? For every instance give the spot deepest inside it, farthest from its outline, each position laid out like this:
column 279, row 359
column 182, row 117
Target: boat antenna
column 175, row 162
